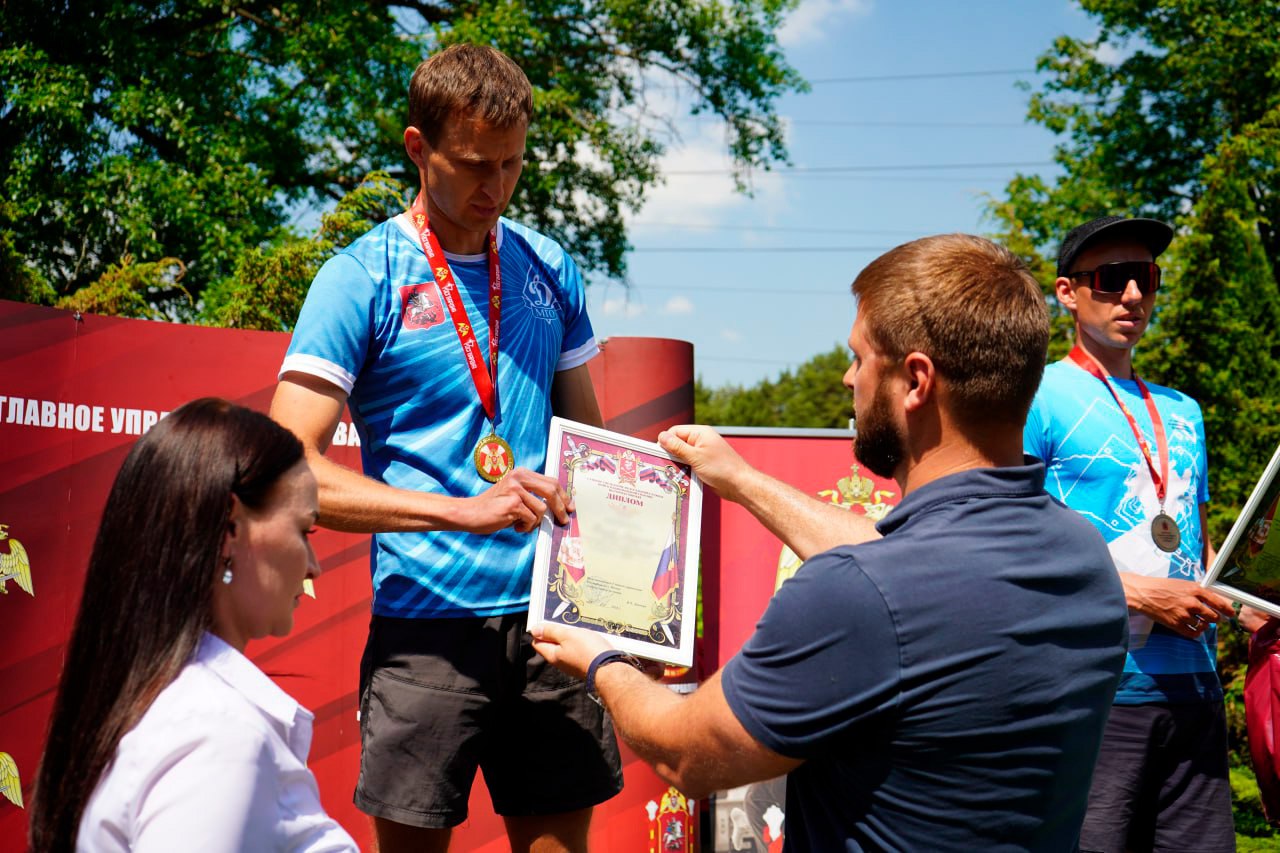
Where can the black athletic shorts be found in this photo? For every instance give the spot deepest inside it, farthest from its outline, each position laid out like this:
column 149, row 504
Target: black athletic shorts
column 1161, row 782
column 441, row 697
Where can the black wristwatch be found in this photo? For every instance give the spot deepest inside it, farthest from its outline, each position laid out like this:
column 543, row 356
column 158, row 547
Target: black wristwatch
column 604, row 659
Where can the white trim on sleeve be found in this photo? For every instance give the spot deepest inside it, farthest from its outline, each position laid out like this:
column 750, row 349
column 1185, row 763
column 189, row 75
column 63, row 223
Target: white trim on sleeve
column 578, row 355
column 313, row 365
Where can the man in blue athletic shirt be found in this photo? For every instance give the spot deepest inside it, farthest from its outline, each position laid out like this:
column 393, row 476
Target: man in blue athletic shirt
column 943, row 683
column 453, row 335
column 1130, row 457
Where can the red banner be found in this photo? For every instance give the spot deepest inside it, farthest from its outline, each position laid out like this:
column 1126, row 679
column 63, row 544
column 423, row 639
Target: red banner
column 747, row 561
column 78, row 390
column 743, row 563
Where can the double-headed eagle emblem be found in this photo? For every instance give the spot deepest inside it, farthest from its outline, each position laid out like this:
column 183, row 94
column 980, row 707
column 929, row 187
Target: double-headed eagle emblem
column 14, row 564
column 10, row 784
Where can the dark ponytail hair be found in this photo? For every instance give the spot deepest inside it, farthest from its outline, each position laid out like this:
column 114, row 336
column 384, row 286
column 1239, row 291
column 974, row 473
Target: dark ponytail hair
column 148, row 593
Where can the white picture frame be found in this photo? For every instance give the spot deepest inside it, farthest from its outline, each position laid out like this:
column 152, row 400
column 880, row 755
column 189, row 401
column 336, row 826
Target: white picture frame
column 1247, row 566
column 627, row 563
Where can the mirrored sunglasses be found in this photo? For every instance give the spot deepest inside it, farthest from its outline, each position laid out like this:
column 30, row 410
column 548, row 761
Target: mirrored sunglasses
column 1114, row 278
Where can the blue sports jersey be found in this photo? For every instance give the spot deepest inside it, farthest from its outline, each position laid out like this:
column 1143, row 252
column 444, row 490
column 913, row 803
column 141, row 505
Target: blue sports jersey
column 1096, row 468
column 373, row 324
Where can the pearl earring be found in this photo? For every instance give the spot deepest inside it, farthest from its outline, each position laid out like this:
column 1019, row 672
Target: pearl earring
column 226, row 574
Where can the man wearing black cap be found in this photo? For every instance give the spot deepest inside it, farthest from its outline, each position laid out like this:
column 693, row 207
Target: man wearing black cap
column 1130, row 457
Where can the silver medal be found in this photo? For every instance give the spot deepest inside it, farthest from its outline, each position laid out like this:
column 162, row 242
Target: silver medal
column 1165, row 533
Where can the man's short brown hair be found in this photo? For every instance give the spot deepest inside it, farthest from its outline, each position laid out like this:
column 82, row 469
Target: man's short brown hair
column 974, row 308
column 468, row 79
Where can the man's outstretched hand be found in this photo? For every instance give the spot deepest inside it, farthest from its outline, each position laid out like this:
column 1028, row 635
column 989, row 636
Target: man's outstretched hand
column 570, row 649
column 716, row 463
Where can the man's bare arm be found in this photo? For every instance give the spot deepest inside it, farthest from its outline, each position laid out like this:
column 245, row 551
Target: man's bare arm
column 695, row 742
column 1210, row 554
column 312, row 407
column 806, row 524
column 574, row 397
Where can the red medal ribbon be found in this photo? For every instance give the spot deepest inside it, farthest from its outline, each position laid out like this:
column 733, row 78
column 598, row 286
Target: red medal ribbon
column 484, row 377
column 1089, row 364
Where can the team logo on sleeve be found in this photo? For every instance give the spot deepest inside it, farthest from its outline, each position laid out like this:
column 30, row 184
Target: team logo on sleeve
column 539, row 296
column 420, row 306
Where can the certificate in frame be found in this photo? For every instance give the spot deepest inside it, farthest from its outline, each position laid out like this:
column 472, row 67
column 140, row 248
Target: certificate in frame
column 1247, row 567
column 627, row 563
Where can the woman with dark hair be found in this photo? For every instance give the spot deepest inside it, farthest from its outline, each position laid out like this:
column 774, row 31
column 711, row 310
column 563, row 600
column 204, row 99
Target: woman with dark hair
column 164, row 736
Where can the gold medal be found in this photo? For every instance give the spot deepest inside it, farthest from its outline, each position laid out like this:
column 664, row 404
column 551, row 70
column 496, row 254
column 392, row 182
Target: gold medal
column 493, row 458
column 1165, row 533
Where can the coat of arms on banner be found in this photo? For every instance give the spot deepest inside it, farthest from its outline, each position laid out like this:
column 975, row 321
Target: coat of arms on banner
column 855, row 493
column 14, row 563
column 10, row 784
column 670, row 823
column 420, row 306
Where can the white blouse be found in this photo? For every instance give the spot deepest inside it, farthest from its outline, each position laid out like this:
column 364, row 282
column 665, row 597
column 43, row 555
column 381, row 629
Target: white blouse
column 217, row 763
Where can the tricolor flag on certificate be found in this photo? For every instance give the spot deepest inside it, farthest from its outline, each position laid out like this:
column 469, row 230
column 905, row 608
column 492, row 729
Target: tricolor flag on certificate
column 668, row 574
column 570, row 556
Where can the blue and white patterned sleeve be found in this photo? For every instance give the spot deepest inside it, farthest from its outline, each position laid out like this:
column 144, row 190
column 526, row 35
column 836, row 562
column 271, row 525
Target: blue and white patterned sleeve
column 579, row 344
column 1035, row 441
column 331, row 339
column 1203, row 461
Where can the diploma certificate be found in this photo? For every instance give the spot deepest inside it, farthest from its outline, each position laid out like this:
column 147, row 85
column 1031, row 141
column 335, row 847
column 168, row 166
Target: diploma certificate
column 627, row 562
column 1247, row 567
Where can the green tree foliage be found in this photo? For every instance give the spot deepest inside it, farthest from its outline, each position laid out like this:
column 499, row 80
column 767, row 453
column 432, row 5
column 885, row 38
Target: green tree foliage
column 18, row 281
column 195, row 129
column 813, row 396
column 270, row 282
column 1173, row 111
column 126, row 289
column 1184, row 127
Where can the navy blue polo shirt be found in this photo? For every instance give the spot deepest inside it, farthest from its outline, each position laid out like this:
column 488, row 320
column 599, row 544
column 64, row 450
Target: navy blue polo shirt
column 947, row 685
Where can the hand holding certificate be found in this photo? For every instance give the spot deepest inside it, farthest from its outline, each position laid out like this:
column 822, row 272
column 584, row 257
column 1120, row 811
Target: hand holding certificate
column 626, row 564
column 1247, row 567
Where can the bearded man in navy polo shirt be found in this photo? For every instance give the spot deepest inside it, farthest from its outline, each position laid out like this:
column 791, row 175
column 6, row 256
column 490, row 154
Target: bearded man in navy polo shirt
column 942, row 680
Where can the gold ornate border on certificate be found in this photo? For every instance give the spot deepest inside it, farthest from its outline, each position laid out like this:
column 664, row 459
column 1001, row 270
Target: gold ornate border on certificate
column 567, row 592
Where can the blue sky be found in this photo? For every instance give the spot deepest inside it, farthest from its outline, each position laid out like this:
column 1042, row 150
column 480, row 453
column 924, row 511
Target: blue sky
column 752, row 309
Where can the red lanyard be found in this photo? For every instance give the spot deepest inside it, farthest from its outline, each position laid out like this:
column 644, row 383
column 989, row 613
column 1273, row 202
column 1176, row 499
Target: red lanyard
column 485, row 378
column 1161, row 477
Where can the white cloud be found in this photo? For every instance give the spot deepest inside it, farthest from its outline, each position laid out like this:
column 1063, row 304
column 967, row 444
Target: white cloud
column 813, row 19
column 1109, row 54
column 678, row 305
column 622, row 308
column 707, row 197
column 731, row 335
column 1118, row 48
column 680, row 201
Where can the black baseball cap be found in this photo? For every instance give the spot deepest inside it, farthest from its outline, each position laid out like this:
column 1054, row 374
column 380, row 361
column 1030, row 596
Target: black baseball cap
column 1152, row 233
